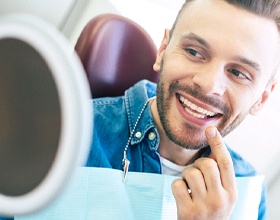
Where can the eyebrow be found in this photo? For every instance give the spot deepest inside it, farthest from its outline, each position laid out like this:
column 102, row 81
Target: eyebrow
column 248, row 62
column 193, row 37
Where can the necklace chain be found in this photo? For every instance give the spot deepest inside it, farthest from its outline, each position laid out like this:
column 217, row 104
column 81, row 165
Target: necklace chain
column 125, row 161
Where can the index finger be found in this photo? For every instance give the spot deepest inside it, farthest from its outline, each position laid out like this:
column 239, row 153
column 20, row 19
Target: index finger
column 221, row 155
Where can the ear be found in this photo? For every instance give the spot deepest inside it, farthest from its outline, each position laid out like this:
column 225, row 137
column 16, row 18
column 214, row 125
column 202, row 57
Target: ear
column 265, row 95
column 161, row 50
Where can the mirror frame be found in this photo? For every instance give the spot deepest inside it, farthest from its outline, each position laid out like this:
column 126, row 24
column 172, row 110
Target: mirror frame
column 76, row 109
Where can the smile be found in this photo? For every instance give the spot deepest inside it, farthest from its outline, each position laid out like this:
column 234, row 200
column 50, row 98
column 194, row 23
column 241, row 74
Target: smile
column 195, row 110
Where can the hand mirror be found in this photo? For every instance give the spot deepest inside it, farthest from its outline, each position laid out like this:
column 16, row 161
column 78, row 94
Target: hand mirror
column 45, row 113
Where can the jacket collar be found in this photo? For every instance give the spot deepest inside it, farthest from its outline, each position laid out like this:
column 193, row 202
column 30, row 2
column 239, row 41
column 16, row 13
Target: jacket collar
column 135, row 99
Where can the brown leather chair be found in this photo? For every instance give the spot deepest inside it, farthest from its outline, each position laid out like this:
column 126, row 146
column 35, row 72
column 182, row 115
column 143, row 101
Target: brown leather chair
column 116, row 53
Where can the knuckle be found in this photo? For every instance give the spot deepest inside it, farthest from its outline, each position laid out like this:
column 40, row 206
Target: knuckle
column 208, row 163
column 223, row 202
column 217, row 143
column 217, row 205
column 227, row 164
column 176, row 184
column 220, row 203
column 192, row 173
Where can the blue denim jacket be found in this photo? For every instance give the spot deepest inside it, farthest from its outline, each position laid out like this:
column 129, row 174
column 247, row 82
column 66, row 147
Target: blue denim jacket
column 114, row 119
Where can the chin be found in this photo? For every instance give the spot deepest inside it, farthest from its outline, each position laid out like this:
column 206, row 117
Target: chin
column 193, row 140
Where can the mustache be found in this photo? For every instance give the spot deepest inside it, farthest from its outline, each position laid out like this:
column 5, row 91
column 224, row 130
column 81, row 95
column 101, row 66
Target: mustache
column 195, row 92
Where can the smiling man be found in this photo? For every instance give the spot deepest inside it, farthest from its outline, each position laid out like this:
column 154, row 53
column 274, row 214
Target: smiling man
column 217, row 65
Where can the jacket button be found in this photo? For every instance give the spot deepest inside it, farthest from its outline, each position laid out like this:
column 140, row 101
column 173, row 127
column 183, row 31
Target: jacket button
column 138, row 134
column 152, row 136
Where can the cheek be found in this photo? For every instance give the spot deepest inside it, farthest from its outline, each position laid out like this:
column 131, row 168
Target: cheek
column 177, row 69
column 241, row 103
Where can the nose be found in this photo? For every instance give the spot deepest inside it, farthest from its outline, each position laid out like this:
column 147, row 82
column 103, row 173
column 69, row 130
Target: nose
column 211, row 79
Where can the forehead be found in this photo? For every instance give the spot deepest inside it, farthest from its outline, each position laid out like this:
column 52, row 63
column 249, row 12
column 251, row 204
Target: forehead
column 230, row 30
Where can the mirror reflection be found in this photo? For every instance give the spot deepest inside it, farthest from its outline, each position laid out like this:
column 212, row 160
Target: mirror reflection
column 30, row 118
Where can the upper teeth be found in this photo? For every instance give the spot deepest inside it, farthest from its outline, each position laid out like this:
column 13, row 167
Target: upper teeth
column 196, row 108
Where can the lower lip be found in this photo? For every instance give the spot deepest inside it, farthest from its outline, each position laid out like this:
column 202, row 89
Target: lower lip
column 191, row 119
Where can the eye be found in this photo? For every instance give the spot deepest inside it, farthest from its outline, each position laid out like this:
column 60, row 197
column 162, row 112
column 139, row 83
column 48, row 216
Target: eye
column 239, row 74
column 194, row 53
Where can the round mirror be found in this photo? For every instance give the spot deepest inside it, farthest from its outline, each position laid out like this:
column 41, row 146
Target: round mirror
column 45, row 114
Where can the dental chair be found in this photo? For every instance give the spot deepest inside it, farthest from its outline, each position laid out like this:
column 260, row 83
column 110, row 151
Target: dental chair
column 116, row 53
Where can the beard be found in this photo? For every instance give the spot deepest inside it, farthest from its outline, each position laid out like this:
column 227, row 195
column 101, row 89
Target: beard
column 187, row 135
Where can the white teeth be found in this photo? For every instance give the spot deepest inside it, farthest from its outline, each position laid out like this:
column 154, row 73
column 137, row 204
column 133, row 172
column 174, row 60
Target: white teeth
column 195, row 114
column 193, row 106
column 201, row 110
column 196, row 108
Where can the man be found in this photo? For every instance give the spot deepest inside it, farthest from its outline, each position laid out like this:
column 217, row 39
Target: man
column 217, row 65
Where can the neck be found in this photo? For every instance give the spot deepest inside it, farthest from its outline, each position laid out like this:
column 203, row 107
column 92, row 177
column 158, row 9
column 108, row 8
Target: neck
column 167, row 148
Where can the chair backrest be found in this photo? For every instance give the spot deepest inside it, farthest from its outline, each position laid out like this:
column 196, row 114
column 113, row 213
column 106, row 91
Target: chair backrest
column 116, row 53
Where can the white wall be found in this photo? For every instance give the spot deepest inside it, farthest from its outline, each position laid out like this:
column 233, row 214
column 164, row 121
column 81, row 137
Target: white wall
column 80, row 16
column 53, row 11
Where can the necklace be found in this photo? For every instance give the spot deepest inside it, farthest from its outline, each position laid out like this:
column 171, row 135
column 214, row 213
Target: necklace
column 125, row 161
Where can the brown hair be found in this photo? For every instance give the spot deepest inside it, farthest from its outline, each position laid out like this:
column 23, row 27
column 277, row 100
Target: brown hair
column 266, row 8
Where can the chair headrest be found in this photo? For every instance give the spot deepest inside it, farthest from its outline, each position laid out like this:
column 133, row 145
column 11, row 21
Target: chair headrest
column 116, row 53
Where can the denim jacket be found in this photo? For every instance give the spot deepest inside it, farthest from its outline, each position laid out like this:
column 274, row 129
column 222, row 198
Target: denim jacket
column 114, row 120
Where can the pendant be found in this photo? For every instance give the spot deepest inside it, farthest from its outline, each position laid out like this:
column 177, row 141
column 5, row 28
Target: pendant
column 126, row 163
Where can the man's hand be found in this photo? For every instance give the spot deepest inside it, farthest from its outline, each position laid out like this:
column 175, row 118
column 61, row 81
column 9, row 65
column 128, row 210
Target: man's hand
column 211, row 182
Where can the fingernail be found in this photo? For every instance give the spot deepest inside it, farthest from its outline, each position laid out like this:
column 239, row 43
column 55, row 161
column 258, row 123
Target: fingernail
column 211, row 132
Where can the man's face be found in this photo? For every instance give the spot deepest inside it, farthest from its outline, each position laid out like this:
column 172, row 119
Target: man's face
column 214, row 70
